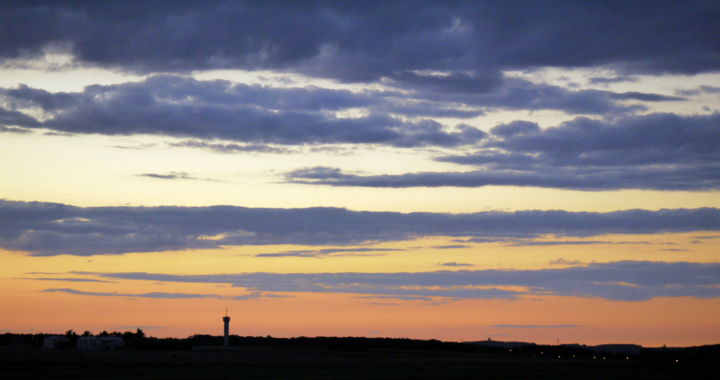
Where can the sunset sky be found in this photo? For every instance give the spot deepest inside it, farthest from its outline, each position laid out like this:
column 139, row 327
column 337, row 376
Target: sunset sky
column 520, row 170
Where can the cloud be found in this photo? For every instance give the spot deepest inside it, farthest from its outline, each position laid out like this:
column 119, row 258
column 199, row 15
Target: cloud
column 564, row 242
column 52, row 229
column 175, row 176
column 255, row 115
column 344, row 41
column 330, row 252
column 10, row 120
column 231, row 117
column 622, row 280
column 455, row 264
column 14, row 130
column 169, row 175
column 134, row 295
column 654, row 152
column 74, row 279
column 403, row 298
column 515, row 93
column 614, row 79
column 700, row 90
column 230, row 148
column 562, row 261
column 162, row 295
column 703, row 177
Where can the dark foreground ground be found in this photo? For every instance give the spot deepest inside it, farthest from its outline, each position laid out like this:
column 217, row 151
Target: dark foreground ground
column 259, row 362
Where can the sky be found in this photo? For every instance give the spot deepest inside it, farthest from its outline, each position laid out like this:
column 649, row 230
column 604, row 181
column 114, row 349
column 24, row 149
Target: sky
column 542, row 171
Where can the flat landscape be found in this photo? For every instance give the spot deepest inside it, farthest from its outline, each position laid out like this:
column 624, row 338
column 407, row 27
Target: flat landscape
column 257, row 361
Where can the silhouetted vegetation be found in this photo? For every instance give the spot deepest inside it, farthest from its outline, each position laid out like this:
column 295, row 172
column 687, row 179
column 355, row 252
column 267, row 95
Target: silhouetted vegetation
column 137, row 340
column 202, row 356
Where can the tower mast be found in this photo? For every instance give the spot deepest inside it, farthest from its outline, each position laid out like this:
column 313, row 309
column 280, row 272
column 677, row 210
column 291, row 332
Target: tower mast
column 226, row 335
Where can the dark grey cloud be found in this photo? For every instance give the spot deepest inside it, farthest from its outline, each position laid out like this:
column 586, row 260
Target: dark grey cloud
column 647, row 97
column 515, row 93
column 364, row 41
column 705, row 178
column 700, row 90
column 453, row 83
column 27, row 97
column 231, row 148
column 53, row 229
column 260, row 118
column 330, row 252
column 14, row 130
column 614, row 79
column 10, row 118
column 256, row 115
column 623, row 280
column 653, row 139
column 655, row 151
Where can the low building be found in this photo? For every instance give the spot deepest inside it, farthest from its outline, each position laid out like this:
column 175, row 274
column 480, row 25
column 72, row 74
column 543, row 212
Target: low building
column 56, row 341
column 99, row 342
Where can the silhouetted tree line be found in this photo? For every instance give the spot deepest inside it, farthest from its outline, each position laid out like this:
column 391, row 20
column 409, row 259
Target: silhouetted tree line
column 139, row 341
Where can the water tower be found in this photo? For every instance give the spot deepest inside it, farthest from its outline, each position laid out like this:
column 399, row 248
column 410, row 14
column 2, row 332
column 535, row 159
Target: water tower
column 226, row 336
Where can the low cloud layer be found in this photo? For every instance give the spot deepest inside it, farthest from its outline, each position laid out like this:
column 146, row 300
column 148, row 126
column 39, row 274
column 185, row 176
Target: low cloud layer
column 654, row 152
column 52, row 229
column 623, row 280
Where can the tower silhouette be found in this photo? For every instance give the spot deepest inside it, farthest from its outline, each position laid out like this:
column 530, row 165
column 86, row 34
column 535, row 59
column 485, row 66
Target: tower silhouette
column 226, row 336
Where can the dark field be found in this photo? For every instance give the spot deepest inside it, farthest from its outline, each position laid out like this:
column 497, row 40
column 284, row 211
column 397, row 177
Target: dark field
column 258, row 361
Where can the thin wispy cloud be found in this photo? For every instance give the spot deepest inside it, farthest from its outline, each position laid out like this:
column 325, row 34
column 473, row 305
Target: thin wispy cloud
column 176, row 176
column 622, row 280
column 455, row 264
column 331, row 252
column 65, row 279
column 160, row 295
